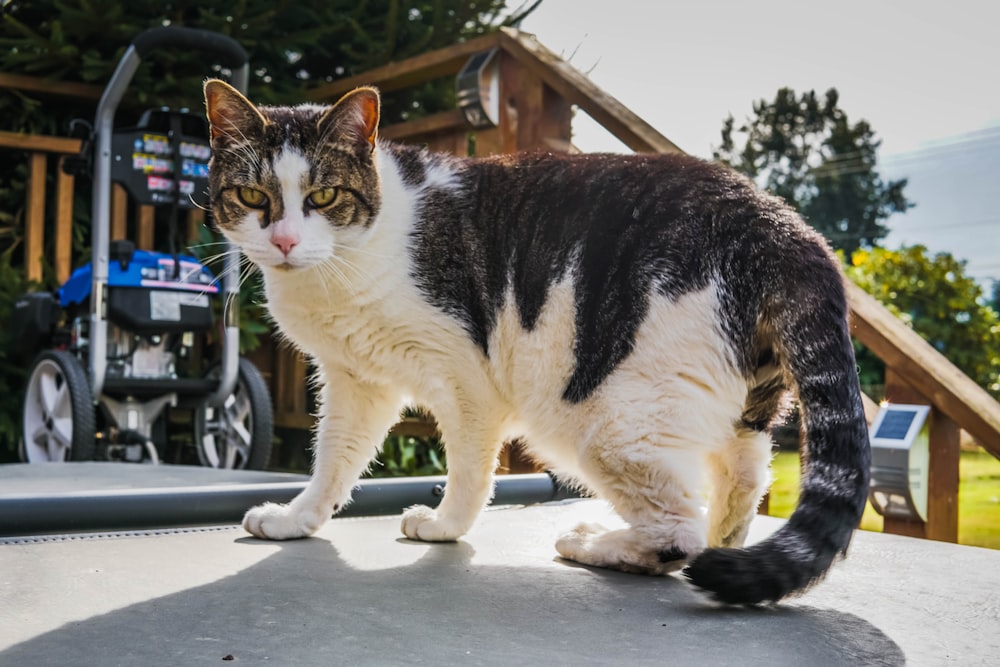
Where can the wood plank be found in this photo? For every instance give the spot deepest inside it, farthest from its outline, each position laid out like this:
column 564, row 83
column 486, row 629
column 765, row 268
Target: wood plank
column 64, row 223
column 34, row 218
column 195, row 220
column 943, row 478
column 39, row 142
column 33, row 84
column 922, row 366
column 577, row 89
column 446, row 121
column 119, row 212
column 145, row 227
column 410, row 72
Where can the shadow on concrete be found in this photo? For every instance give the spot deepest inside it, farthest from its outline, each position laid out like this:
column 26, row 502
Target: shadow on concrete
column 306, row 605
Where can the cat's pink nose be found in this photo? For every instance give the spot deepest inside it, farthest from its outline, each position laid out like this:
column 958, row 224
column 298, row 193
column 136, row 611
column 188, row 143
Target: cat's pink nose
column 285, row 242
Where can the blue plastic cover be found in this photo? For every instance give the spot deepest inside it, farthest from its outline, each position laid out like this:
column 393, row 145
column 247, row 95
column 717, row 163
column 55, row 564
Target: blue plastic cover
column 152, row 270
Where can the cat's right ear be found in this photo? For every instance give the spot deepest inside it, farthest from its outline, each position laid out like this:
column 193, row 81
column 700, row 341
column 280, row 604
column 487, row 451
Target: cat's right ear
column 231, row 116
column 354, row 116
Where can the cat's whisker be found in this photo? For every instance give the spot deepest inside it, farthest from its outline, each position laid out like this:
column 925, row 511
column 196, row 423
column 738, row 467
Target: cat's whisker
column 347, row 264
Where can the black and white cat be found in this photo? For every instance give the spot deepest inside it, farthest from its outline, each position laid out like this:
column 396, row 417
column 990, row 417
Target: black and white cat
column 635, row 319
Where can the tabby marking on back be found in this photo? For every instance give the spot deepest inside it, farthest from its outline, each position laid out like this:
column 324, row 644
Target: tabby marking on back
column 636, row 320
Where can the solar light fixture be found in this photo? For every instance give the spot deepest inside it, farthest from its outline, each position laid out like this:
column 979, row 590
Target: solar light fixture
column 478, row 90
column 900, row 458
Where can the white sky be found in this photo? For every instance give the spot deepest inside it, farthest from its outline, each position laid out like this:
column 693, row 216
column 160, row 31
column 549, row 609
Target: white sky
column 918, row 71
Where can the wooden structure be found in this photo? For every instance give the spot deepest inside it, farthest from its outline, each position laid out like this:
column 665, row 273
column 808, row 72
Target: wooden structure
column 538, row 93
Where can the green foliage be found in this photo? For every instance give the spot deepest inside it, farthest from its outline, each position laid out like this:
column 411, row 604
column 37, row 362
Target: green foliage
column 806, row 150
column 934, row 296
column 293, row 44
column 407, row 456
column 12, row 368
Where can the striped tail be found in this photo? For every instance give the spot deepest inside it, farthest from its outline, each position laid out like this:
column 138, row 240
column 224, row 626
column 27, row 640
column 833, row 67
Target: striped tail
column 814, row 345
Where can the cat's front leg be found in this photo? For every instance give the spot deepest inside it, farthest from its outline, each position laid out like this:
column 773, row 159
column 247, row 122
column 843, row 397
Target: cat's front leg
column 354, row 417
column 472, row 447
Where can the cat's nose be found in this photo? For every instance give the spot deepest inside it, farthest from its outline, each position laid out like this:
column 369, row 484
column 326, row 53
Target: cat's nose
column 285, row 242
column 285, row 236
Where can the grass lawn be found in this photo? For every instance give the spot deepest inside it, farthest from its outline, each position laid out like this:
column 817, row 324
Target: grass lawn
column 978, row 497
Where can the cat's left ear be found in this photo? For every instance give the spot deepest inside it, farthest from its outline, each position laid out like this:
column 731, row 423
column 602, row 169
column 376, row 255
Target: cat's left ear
column 355, row 116
column 231, row 116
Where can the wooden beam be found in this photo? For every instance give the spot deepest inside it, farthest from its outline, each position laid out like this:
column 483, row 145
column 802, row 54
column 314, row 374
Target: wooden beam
column 943, row 477
column 578, row 89
column 64, row 223
column 446, row 121
column 145, row 232
column 34, row 218
column 39, row 142
column 119, row 212
column 32, row 84
column 195, row 219
column 410, row 72
column 922, row 366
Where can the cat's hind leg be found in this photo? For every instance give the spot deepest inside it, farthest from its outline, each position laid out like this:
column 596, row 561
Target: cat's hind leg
column 354, row 418
column 655, row 488
column 740, row 476
column 472, row 444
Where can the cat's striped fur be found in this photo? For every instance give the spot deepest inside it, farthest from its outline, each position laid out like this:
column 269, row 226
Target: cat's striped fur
column 637, row 320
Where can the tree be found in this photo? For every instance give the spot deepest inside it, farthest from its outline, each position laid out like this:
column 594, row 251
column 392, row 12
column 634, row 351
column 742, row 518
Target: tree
column 933, row 295
column 806, row 150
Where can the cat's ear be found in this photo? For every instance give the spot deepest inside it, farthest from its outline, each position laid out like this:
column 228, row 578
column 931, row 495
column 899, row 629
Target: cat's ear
column 355, row 116
column 231, row 117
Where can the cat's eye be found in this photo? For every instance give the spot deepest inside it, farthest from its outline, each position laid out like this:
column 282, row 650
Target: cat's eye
column 322, row 197
column 252, row 198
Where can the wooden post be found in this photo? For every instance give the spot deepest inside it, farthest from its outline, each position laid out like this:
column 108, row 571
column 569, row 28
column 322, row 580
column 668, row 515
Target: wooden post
column 532, row 115
column 195, row 219
column 943, row 478
column 119, row 213
column 144, row 232
column 64, row 223
column 34, row 218
column 942, row 491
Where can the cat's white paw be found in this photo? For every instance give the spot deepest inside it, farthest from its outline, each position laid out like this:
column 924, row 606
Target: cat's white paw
column 629, row 549
column 272, row 521
column 422, row 523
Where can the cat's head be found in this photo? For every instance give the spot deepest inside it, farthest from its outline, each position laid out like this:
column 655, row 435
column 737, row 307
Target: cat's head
column 292, row 186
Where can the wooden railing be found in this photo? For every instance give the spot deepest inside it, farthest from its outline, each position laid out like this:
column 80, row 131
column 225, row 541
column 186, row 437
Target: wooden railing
column 538, row 92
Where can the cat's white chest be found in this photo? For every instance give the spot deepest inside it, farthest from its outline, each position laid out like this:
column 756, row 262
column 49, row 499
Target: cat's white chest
column 387, row 335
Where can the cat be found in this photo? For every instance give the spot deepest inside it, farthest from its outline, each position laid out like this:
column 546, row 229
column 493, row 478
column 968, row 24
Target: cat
column 637, row 319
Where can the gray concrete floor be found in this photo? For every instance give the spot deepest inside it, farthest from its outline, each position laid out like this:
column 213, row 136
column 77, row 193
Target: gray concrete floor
column 359, row 594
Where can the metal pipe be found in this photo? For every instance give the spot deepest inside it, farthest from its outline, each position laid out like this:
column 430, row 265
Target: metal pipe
column 229, row 366
column 100, row 221
column 132, row 509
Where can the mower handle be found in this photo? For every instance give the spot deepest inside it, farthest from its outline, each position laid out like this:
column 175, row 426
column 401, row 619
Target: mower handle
column 229, row 50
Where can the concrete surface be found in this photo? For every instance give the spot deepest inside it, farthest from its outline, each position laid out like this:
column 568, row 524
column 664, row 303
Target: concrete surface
column 359, row 594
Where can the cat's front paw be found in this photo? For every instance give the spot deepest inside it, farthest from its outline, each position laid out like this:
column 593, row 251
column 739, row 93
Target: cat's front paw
column 272, row 521
column 422, row 523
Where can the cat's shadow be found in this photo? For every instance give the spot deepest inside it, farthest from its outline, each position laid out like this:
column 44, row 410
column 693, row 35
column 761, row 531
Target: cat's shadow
column 313, row 602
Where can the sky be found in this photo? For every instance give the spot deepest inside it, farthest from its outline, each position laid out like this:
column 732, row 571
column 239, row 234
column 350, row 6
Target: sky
column 925, row 75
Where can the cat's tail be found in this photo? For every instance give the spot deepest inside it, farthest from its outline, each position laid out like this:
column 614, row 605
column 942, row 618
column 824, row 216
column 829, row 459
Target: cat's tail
column 812, row 342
